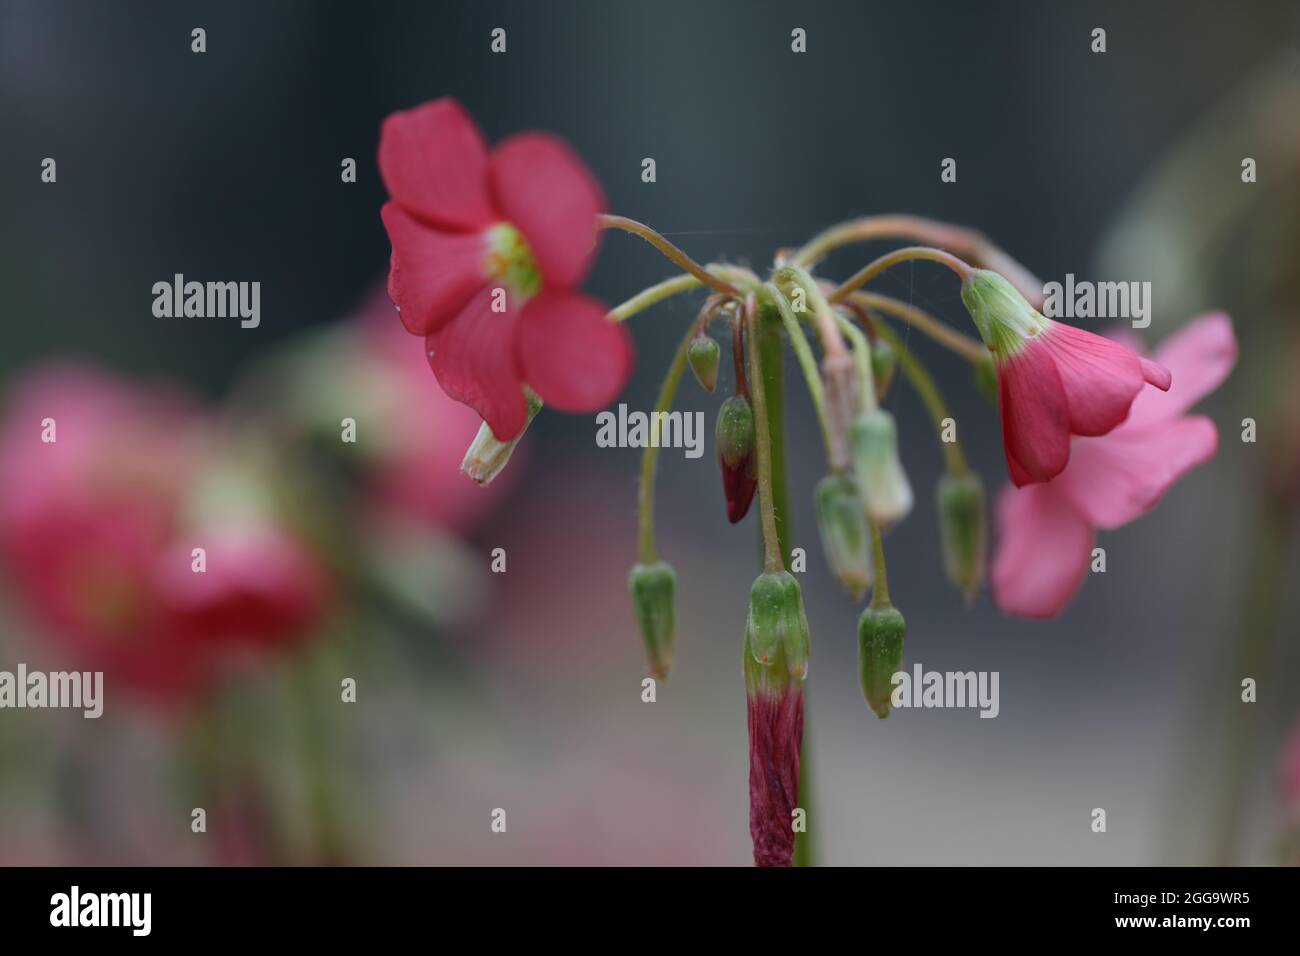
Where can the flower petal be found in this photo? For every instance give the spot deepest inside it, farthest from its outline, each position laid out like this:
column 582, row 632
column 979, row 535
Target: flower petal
column 1199, row 356
column 546, row 191
column 1117, row 477
column 1035, row 416
column 432, row 274
column 1100, row 377
column 574, row 358
column 473, row 357
column 435, row 164
column 1043, row 549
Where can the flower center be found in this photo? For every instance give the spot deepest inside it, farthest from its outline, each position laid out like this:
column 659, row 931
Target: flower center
column 510, row 260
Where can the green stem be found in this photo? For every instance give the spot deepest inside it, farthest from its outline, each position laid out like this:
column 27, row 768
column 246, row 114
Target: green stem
column 970, row 245
column 646, row 493
column 670, row 251
column 862, row 359
column 971, row 350
column 897, row 257
column 918, row 376
column 880, row 591
column 758, row 353
column 803, row 352
column 677, row 284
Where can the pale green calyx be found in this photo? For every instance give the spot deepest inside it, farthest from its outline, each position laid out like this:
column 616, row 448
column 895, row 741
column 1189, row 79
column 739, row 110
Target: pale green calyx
column 509, row 259
column 1004, row 317
column 487, row 455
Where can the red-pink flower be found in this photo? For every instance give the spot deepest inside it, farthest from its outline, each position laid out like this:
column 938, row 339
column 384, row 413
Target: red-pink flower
column 98, row 521
column 1046, row 531
column 1054, row 380
column 488, row 249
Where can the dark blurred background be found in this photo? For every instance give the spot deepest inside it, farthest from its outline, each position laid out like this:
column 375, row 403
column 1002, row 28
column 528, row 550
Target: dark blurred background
column 226, row 165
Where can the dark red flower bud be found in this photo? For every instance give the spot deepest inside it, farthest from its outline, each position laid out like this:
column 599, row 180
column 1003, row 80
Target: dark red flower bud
column 734, row 438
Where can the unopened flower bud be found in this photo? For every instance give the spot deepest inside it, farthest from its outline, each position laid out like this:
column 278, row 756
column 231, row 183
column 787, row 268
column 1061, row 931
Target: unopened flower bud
column 842, row 522
column 487, row 455
column 884, row 484
column 734, row 438
column 963, row 530
column 703, row 356
column 654, row 589
column 884, row 363
column 880, row 654
column 775, row 662
column 776, row 630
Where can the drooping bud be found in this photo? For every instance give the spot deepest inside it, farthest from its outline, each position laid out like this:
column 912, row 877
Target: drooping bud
column 880, row 654
column 1004, row 317
column 654, row 590
column 843, row 403
column 775, row 661
column 846, row 541
column 487, row 455
column 986, row 379
column 776, row 629
column 885, row 489
column 734, row 438
column 703, row 356
column 963, row 530
column 884, row 363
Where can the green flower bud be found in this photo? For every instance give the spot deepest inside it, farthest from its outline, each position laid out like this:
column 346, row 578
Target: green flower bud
column 963, row 530
column 884, row 484
column 1004, row 317
column 734, row 439
column 986, row 379
column 776, row 630
column 734, row 433
column 487, row 455
column 846, row 541
column 703, row 356
column 884, row 363
column 880, row 654
column 654, row 589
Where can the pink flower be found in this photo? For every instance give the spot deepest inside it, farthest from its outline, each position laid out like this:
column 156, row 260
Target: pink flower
column 1046, row 531
column 97, row 532
column 1054, row 380
column 488, row 250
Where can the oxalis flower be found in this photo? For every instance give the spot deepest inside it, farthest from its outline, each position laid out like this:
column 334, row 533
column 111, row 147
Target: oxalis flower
column 1054, row 380
column 1046, row 531
column 488, row 249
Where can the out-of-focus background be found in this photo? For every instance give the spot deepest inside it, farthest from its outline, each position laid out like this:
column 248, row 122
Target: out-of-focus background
column 521, row 691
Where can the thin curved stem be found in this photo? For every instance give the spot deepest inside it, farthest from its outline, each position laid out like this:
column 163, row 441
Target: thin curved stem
column 670, row 251
column 897, row 257
column 772, row 560
column 919, row 377
column 675, row 285
column 803, row 352
column 880, row 588
column 646, row 493
column 861, row 359
column 968, row 348
column 968, row 244
column 823, row 314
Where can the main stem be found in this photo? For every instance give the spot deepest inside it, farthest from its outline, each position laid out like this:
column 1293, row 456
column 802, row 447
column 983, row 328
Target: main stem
column 773, row 552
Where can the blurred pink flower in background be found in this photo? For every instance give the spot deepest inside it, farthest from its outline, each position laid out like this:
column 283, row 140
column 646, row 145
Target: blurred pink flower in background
column 1047, row 531
column 97, row 529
